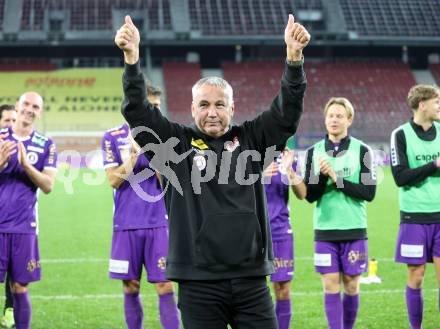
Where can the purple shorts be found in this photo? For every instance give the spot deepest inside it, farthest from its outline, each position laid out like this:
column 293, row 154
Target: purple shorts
column 349, row 257
column 133, row 248
column 19, row 255
column 283, row 260
column 417, row 243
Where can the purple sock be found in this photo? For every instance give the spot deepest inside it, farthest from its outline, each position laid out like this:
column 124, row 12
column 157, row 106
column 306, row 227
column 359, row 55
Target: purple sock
column 22, row 310
column 134, row 314
column 169, row 315
column 333, row 310
column 414, row 303
column 350, row 306
column 283, row 310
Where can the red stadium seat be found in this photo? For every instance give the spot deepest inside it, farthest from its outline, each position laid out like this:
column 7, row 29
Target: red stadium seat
column 435, row 70
column 179, row 78
column 377, row 90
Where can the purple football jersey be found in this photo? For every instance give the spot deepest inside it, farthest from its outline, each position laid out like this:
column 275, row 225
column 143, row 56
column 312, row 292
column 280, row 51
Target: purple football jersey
column 130, row 210
column 18, row 195
column 277, row 196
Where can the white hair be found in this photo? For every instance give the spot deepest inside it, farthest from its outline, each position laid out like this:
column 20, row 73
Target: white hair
column 215, row 82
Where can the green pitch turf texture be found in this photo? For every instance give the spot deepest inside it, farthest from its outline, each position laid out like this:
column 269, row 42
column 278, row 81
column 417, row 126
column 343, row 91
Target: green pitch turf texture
column 75, row 293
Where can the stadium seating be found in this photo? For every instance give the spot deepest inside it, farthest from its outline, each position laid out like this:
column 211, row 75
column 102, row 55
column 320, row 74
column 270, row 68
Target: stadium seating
column 94, row 14
column 392, row 17
column 407, row 18
column 435, row 70
column 255, row 84
column 377, row 90
column 2, row 12
column 32, row 18
column 226, row 17
column 179, row 78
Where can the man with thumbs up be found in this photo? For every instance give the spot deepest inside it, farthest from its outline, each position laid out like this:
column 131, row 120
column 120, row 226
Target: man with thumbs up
column 220, row 247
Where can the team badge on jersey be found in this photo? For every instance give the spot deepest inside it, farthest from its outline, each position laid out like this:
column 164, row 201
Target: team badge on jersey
column 199, row 143
column 32, row 157
column 230, row 146
column 356, row 256
column 200, row 162
column 32, row 265
column 162, row 263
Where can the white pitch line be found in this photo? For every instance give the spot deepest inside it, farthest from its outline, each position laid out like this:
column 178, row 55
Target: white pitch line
column 104, row 260
column 363, row 292
column 386, row 260
column 119, row 296
column 72, row 260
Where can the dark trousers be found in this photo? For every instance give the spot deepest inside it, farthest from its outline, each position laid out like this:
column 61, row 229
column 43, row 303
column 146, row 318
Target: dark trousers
column 243, row 303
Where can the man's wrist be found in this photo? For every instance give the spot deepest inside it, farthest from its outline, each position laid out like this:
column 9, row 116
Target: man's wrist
column 294, row 55
column 131, row 57
column 292, row 177
column 26, row 166
column 295, row 63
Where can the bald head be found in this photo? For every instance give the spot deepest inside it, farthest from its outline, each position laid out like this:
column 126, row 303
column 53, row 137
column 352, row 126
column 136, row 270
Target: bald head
column 29, row 107
column 32, row 96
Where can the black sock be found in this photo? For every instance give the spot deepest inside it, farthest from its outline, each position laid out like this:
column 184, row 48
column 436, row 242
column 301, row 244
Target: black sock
column 8, row 302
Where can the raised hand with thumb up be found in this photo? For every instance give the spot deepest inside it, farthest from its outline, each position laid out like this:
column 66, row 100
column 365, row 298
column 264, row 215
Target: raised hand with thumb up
column 127, row 39
column 296, row 38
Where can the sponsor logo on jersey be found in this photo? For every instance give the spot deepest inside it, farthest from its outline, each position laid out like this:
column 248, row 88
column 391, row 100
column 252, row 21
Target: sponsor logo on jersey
column 199, row 143
column 427, row 157
column 39, row 140
column 411, row 250
column 109, row 156
column 118, row 132
column 345, row 172
column 52, row 151
column 123, row 140
column 282, row 263
column 36, row 149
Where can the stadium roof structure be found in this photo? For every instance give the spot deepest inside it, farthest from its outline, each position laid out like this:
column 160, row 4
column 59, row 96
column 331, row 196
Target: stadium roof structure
column 220, row 22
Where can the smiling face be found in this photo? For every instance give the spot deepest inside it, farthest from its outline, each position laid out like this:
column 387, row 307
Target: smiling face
column 424, row 100
column 212, row 110
column 29, row 108
column 337, row 121
column 431, row 109
column 8, row 118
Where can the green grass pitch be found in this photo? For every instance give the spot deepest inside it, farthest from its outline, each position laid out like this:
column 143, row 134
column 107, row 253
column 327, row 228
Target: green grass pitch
column 76, row 293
